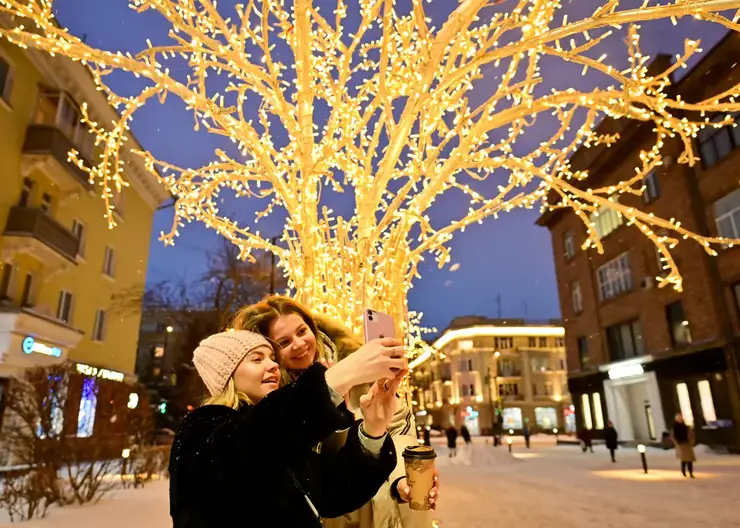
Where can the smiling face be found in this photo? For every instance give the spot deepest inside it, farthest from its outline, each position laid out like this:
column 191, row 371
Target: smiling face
column 296, row 341
column 258, row 374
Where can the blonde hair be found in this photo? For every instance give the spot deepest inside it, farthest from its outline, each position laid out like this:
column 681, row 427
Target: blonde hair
column 230, row 397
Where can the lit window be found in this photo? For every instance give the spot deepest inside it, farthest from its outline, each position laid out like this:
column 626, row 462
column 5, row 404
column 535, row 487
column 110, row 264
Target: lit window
column 598, row 415
column 684, row 404
column 605, row 220
column 707, row 402
column 88, row 406
column 586, row 409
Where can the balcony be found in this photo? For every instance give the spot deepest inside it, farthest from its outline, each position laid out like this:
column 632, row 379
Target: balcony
column 57, row 128
column 46, row 148
column 32, row 231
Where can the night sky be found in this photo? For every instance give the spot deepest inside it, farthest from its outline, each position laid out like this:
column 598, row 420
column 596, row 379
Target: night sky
column 509, row 256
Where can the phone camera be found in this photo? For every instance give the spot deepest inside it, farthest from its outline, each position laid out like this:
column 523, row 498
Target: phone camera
column 369, row 315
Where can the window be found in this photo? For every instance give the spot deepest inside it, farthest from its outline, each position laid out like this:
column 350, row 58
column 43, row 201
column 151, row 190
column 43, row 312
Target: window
column 615, row 277
column 465, row 344
column 677, row 324
column 470, row 365
column 7, row 280
column 542, row 389
column 45, row 203
column 509, row 389
column 543, row 342
column 532, row 342
column 64, row 308
column 507, row 368
column 545, row 417
column 716, row 143
column 99, row 329
column 7, row 79
column 78, row 229
column 28, row 291
column 109, row 262
column 598, row 414
column 576, row 297
column 707, row 402
column 727, row 215
column 586, row 409
column 512, row 417
column 652, row 191
column 159, row 352
column 684, row 404
column 559, row 342
column 583, row 351
column 539, row 364
column 605, row 220
column 504, row 342
column 625, row 340
column 88, row 406
column 570, row 245
column 25, row 197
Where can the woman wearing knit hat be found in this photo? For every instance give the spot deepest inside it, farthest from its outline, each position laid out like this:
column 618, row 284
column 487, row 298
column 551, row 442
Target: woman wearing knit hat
column 304, row 339
column 246, row 454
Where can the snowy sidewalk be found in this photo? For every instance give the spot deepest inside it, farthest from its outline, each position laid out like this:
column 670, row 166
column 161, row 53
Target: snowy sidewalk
column 546, row 486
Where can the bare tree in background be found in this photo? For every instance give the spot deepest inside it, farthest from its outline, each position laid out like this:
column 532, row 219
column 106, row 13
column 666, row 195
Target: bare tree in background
column 195, row 308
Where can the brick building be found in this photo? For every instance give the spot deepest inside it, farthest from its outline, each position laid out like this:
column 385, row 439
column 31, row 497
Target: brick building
column 638, row 354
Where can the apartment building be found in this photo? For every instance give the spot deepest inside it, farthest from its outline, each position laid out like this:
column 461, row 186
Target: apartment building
column 60, row 264
column 494, row 372
column 638, row 354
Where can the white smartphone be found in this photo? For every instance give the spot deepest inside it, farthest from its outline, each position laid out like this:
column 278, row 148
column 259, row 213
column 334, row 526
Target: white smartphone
column 378, row 325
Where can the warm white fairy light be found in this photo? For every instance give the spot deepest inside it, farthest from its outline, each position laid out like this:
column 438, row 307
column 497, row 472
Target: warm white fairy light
column 340, row 265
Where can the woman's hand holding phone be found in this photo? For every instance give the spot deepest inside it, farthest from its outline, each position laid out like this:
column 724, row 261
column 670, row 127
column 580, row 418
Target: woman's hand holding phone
column 376, row 360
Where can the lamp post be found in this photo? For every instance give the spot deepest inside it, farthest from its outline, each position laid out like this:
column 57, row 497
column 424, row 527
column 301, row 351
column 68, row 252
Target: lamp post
column 555, row 432
column 641, row 449
column 508, row 441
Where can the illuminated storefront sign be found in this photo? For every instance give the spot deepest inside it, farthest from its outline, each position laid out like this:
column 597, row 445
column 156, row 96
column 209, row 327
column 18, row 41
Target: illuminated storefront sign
column 96, row 372
column 31, row 346
column 626, row 371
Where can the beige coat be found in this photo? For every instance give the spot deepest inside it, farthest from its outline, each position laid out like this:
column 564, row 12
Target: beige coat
column 383, row 511
column 685, row 450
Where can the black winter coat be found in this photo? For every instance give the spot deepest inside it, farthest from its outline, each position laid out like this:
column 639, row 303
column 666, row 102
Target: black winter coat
column 611, row 438
column 251, row 467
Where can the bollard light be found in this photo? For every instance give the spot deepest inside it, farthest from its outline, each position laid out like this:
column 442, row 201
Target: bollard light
column 508, row 441
column 641, row 450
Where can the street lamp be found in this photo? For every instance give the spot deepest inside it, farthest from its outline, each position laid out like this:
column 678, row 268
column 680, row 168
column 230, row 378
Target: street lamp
column 641, row 450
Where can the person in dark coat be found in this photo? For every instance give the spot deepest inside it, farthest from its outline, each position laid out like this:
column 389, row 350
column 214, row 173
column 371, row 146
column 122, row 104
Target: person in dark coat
column 611, row 438
column 587, row 442
column 427, row 436
column 451, row 434
column 465, row 434
column 683, row 440
column 247, row 452
column 527, row 435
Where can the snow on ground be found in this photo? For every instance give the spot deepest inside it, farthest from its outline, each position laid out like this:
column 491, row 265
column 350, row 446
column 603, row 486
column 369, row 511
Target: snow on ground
column 483, row 486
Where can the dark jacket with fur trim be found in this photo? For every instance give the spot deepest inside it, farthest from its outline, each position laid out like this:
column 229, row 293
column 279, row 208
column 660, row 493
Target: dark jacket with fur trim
column 256, row 464
column 385, row 510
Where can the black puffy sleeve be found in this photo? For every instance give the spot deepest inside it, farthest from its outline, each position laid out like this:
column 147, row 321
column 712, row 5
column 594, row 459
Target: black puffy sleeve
column 291, row 420
column 344, row 481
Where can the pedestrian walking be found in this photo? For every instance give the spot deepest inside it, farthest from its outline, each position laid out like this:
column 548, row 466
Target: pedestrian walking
column 586, row 441
column 527, row 435
column 465, row 434
column 427, row 436
column 612, row 439
column 683, row 440
column 451, row 433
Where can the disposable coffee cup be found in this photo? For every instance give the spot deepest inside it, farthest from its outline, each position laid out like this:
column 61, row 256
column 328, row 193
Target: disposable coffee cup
column 419, row 462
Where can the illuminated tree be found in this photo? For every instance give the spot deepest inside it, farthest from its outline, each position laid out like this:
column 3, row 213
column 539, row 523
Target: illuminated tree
column 383, row 110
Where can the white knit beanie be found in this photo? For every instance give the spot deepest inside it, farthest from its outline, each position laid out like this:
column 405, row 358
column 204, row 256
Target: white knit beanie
column 217, row 356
